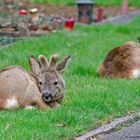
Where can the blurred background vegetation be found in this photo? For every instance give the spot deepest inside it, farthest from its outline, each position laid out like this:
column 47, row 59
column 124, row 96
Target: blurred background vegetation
column 98, row 2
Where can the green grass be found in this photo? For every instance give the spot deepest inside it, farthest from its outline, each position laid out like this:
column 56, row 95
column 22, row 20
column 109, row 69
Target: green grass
column 98, row 2
column 89, row 100
column 117, row 2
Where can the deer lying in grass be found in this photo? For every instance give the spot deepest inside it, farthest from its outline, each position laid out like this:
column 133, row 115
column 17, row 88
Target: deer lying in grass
column 122, row 62
column 43, row 88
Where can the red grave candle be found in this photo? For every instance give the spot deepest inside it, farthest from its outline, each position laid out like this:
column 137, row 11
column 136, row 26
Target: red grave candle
column 100, row 15
column 22, row 12
column 69, row 23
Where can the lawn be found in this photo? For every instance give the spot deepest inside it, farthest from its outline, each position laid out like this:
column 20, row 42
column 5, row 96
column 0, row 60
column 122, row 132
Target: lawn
column 89, row 100
column 98, row 2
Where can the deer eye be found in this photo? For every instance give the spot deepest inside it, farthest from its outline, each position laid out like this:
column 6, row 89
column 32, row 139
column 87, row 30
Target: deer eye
column 55, row 83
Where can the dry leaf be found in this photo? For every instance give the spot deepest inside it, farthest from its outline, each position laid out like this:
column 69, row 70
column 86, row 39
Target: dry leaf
column 7, row 126
column 61, row 125
column 129, row 112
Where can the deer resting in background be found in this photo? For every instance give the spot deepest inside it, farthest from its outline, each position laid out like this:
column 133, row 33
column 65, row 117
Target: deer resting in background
column 43, row 88
column 122, row 62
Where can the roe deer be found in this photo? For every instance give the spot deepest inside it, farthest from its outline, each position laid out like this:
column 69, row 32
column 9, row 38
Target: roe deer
column 43, row 88
column 122, row 62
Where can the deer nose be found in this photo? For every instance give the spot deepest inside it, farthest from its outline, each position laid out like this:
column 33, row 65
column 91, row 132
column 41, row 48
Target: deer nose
column 47, row 97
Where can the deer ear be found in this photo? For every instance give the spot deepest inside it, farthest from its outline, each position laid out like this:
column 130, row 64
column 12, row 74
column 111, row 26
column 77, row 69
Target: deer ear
column 43, row 60
column 34, row 65
column 53, row 60
column 62, row 65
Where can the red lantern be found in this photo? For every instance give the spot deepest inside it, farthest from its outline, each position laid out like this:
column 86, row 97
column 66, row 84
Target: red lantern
column 23, row 12
column 69, row 23
column 100, row 15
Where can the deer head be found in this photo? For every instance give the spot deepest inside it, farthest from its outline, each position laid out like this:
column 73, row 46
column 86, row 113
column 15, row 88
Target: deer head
column 48, row 76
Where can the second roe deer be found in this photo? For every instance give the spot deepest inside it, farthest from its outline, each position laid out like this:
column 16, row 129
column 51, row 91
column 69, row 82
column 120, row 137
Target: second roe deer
column 122, row 62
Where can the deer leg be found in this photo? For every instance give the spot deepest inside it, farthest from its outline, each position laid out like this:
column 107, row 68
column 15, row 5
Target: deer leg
column 39, row 103
column 54, row 104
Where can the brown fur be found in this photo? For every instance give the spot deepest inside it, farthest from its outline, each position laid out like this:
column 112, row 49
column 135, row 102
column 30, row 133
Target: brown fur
column 16, row 82
column 121, row 61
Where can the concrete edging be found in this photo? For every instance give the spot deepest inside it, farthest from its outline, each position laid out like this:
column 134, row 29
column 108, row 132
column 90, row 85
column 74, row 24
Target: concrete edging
column 106, row 128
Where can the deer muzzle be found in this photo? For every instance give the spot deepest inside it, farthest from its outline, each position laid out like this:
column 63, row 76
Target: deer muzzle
column 47, row 97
